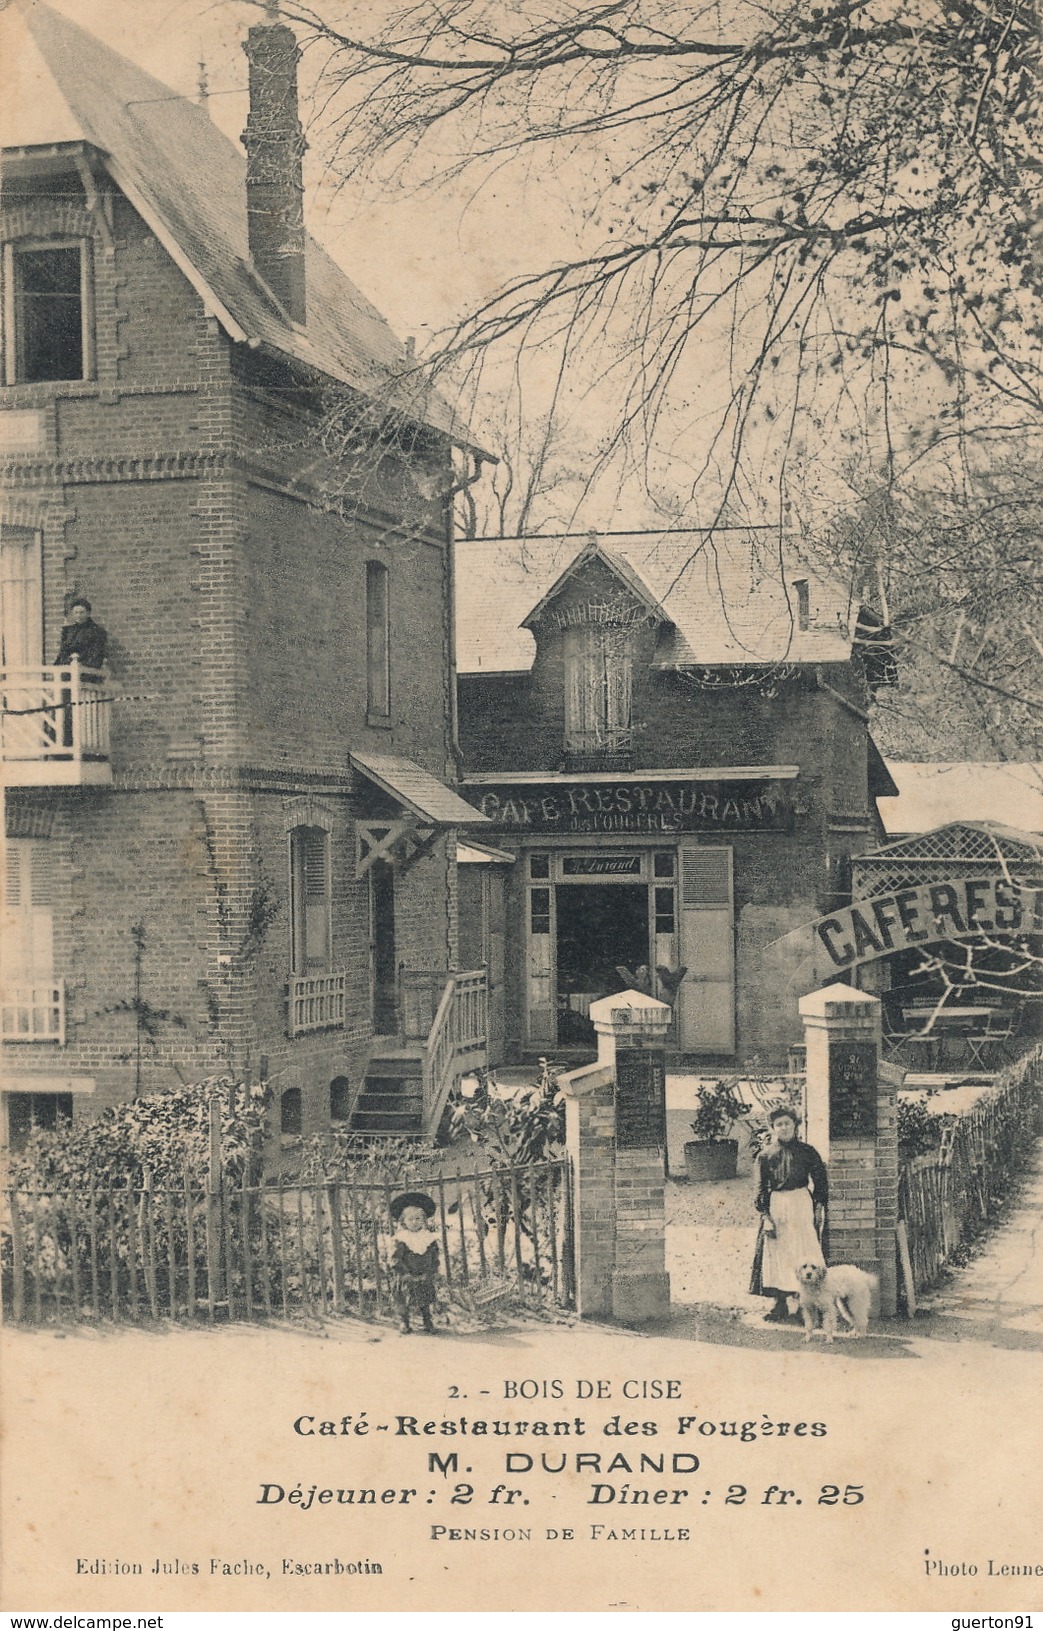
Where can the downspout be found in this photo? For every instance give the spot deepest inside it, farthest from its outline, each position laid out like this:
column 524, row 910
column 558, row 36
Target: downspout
column 454, row 487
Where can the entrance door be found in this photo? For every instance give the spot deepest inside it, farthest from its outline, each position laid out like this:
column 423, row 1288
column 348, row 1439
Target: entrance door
column 600, row 928
column 482, row 909
column 383, row 962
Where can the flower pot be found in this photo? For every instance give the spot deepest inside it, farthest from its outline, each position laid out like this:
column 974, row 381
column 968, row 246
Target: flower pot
column 710, row 1159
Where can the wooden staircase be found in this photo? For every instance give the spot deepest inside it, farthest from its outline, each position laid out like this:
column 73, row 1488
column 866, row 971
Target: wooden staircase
column 443, row 1019
column 391, row 1103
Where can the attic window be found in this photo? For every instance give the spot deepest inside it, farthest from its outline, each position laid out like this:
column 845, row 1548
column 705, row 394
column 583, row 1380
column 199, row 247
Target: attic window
column 598, row 670
column 46, row 335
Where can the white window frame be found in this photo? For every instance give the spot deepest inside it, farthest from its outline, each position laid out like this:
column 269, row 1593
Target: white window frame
column 11, row 251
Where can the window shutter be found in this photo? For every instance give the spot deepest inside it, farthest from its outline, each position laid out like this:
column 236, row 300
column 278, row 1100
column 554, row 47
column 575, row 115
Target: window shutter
column 29, row 890
column 41, row 868
column 575, row 691
column 619, row 669
column 706, row 999
column 311, row 902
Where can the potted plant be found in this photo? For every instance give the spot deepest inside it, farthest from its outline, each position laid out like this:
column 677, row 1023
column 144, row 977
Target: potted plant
column 712, row 1154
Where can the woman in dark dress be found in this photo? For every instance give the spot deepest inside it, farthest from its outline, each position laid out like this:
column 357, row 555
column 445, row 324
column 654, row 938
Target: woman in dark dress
column 792, row 1192
column 414, row 1257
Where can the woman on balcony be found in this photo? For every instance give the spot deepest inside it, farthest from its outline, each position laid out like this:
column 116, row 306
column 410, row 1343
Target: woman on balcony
column 82, row 637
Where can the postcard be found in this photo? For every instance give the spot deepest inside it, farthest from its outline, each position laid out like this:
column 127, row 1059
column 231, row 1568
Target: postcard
column 523, row 795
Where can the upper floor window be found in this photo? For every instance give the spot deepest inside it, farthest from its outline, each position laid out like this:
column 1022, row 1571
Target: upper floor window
column 378, row 640
column 598, row 686
column 310, row 913
column 46, row 312
column 21, row 597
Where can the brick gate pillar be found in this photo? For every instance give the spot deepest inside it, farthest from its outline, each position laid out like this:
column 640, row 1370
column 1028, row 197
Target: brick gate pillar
column 616, row 1131
column 852, row 1120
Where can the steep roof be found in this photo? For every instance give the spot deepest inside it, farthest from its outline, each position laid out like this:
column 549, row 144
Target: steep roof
column 939, row 794
column 730, row 596
column 188, row 180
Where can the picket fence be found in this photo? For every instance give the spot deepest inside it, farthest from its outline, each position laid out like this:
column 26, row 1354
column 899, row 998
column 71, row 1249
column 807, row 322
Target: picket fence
column 945, row 1197
column 187, row 1251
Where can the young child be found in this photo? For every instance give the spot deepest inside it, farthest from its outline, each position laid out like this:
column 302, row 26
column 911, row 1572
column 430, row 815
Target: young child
column 414, row 1256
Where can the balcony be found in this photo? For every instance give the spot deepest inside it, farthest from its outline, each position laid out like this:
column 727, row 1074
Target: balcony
column 54, row 727
column 317, row 1003
column 609, row 749
column 33, row 1013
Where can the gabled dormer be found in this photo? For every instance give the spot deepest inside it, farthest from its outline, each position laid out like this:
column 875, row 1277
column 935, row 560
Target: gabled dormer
column 594, row 626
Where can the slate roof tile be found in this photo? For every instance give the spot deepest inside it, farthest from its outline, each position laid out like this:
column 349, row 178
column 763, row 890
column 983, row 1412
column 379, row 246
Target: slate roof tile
column 728, row 594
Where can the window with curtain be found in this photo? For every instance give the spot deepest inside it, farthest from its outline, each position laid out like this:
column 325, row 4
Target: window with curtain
column 598, row 678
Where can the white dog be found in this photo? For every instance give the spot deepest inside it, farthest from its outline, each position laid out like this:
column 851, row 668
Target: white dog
column 824, row 1291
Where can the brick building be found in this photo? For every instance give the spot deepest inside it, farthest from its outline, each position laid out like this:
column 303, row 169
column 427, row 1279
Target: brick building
column 232, row 846
column 669, row 735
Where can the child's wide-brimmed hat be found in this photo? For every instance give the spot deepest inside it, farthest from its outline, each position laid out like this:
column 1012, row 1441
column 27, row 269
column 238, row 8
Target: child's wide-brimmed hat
column 412, row 1197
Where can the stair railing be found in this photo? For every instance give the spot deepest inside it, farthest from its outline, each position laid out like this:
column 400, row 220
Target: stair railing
column 456, row 1042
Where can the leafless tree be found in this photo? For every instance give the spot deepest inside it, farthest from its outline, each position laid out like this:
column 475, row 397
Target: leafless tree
column 846, row 192
column 806, row 240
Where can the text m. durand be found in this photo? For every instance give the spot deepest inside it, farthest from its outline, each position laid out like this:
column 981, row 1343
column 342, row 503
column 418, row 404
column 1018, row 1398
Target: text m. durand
column 681, row 1462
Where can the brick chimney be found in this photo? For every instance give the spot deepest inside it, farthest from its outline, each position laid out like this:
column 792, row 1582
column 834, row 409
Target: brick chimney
column 275, row 146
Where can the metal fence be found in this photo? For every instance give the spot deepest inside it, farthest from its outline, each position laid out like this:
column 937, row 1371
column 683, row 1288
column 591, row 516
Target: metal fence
column 188, row 1251
column 944, row 1198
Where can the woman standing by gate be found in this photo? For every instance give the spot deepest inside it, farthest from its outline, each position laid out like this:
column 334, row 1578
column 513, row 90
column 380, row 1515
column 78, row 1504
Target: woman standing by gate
column 792, row 1192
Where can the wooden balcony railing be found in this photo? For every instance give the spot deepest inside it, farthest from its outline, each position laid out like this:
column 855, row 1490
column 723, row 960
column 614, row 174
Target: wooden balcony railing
column 33, row 1013
column 54, row 726
column 317, row 1002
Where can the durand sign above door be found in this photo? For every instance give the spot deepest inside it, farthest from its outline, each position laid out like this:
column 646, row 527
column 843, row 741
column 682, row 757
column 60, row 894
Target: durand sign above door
column 629, row 804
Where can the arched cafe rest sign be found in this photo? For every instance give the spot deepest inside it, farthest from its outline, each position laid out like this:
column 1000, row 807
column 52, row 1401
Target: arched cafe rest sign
column 952, row 909
column 633, row 805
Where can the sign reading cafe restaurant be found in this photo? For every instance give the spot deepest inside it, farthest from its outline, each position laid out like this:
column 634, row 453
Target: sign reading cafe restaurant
column 631, row 805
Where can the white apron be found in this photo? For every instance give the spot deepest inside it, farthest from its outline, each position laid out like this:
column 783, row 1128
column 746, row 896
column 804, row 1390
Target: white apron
column 794, row 1241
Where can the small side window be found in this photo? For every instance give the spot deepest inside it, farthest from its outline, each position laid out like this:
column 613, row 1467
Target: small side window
column 378, row 640
column 290, row 1119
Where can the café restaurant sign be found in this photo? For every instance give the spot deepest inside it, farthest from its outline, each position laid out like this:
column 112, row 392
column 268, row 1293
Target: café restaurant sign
column 953, row 909
column 631, row 805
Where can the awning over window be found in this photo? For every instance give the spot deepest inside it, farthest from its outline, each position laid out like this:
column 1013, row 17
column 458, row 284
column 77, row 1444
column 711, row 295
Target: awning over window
column 410, row 807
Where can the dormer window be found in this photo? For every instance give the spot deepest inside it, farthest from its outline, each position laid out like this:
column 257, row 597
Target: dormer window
column 46, row 312
column 598, row 689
